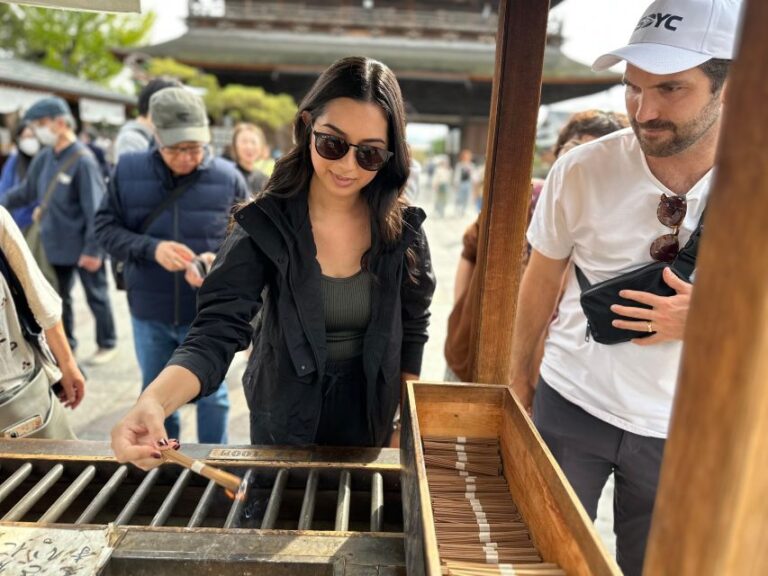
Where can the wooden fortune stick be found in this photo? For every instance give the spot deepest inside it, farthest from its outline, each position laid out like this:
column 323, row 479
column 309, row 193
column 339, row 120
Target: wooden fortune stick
column 169, row 450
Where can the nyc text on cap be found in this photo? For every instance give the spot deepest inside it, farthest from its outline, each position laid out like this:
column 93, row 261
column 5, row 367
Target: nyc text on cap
column 676, row 35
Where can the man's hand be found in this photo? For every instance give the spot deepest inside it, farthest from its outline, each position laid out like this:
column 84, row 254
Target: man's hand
column 666, row 317
column 173, row 256
column 524, row 392
column 90, row 263
column 193, row 275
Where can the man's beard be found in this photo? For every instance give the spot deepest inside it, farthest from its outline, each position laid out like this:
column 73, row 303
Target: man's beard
column 682, row 136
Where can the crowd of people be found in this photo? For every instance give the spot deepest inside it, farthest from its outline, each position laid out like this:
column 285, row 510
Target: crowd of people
column 321, row 264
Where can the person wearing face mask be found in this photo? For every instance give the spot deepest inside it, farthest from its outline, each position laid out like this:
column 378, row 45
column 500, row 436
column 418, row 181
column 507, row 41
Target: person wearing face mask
column 15, row 170
column 65, row 182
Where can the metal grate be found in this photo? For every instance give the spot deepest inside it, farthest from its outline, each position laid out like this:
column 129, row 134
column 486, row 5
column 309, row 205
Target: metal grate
column 339, row 502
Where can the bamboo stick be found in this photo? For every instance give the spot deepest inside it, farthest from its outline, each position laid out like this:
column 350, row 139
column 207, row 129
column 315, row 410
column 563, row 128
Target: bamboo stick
column 169, row 450
column 479, row 529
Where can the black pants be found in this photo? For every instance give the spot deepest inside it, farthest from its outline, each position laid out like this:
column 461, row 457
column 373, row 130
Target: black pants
column 343, row 416
column 97, row 295
column 589, row 451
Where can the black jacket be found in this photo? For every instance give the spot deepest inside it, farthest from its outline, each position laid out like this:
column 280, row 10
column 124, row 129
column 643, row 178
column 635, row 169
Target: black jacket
column 268, row 266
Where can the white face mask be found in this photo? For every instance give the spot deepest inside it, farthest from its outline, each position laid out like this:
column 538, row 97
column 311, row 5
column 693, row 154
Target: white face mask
column 30, row 146
column 46, row 136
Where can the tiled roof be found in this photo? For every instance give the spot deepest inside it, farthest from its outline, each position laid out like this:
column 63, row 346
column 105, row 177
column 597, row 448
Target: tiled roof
column 30, row 75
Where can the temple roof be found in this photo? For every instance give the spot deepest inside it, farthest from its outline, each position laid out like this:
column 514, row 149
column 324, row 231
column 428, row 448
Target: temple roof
column 16, row 72
column 247, row 49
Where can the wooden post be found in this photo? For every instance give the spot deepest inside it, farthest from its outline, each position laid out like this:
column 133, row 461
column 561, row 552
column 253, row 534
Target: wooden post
column 520, row 43
column 711, row 514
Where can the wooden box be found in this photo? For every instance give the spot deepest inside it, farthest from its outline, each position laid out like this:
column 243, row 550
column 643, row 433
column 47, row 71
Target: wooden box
column 558, row 524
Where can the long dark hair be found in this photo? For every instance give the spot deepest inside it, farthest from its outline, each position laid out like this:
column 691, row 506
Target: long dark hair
column 364, row 80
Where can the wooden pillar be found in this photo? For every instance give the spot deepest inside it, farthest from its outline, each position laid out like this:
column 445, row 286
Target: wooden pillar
column 520, row 42
column 711, row 514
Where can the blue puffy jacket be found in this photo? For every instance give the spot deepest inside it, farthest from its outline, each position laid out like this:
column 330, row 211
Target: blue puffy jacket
column 197, row 219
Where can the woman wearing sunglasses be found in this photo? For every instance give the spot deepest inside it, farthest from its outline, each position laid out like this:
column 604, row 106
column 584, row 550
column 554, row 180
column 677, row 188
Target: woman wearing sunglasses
column 334, row 267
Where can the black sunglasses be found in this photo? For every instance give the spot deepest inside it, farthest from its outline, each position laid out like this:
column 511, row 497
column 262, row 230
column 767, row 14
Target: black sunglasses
column 333, row 147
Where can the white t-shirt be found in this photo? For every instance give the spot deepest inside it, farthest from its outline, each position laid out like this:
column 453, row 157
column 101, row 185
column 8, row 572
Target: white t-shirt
column 598, row 206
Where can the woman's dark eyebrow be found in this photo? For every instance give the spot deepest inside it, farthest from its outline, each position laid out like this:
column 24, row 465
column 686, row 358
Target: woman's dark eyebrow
column 342, row 133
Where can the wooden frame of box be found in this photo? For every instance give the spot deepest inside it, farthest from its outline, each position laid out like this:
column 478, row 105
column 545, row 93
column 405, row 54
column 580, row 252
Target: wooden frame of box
column 559, row 525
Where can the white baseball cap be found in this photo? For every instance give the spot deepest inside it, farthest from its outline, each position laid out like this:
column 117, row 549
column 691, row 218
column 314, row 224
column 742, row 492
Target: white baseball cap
column 676, row 35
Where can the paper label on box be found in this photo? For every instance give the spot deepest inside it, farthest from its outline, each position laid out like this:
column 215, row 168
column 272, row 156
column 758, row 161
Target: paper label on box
column 484, row 536
column 480, row 516
column 460, row 465
column 459, row 448
column 462, row 456
column 55, row 551
column 492, row 557
column 461, row 440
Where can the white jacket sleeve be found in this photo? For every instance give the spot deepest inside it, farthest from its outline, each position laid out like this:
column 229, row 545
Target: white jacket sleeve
column 43, row 300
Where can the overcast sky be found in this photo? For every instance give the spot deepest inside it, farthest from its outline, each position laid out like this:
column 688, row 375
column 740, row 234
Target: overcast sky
column 590, row 27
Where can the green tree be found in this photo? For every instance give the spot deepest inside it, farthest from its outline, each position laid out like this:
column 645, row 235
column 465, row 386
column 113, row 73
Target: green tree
column 75, row 42
column 437, row 146
column 241, row 103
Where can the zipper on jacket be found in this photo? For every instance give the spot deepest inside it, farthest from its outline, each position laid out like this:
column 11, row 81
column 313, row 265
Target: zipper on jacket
column 176, row 279
column 293, row 293
column 586, row 334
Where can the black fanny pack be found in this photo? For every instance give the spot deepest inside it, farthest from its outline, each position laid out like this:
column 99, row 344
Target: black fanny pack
column 597, row 299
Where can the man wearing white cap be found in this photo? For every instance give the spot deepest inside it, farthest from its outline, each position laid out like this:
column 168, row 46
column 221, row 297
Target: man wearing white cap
column 612, row 206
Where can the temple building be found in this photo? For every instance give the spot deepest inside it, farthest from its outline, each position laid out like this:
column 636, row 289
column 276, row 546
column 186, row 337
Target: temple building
column 441, row 50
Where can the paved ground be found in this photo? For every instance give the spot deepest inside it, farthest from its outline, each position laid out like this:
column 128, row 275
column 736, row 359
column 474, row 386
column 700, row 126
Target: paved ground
column 112, row 389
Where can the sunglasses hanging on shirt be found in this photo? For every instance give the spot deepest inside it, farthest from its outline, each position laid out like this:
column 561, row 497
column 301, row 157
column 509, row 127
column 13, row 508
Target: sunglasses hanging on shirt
column 670, row 212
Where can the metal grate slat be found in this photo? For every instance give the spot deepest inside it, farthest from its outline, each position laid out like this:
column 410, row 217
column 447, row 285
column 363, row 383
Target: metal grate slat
column 14, row 480
column 38, row 491
column 235, row 511
column 137, row 498
column 103, row 496
column 275, row 498
column 342, row 503
column 377, row 501
column 70, row 494
column 308, row 504
column 201, row 510
column 170, row 501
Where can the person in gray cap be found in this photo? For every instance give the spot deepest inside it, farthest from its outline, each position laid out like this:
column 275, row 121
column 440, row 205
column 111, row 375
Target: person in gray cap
column 612, row 206
column 66, row 183
column 165, row 215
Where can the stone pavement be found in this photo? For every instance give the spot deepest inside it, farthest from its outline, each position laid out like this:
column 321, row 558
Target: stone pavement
column 112, row 389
